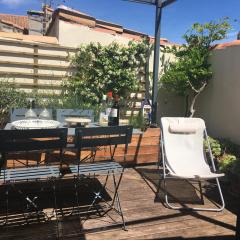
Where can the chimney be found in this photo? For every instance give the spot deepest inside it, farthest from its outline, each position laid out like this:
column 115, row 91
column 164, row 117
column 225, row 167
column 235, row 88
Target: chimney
column 35, row 19
column 39, row 20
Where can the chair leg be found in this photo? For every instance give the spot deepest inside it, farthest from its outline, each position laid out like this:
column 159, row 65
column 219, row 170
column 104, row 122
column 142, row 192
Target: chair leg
column 97, row 195
column 5, row 221
column 219, row 209
column 116, row 197
column 7, row 205
column 76, row 180
column 55, row 206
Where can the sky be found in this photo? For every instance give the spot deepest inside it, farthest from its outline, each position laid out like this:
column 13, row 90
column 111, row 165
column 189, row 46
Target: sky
column 177, row 18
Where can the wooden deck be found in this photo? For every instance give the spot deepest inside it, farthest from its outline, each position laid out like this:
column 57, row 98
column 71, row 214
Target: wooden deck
column 146, row 217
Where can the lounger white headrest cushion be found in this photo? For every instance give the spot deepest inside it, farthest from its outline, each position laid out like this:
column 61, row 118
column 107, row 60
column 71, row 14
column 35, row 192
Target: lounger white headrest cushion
column 189, row 128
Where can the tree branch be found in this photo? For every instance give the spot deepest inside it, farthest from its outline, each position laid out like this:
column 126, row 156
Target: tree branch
column 192, row 110
column 197, row 90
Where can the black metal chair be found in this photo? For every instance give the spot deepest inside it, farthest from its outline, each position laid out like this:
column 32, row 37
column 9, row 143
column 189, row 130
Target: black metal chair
column 98, row 137
column 15, row 141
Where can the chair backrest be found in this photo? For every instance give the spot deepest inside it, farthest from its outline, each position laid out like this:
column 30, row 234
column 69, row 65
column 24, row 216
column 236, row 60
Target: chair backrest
column 19, row 113
column 64, row 113
column 103, row 136
column 30, row 140
column 183, row 141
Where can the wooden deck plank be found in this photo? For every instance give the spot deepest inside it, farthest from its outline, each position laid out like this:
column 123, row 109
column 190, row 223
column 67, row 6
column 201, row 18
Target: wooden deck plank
column 190, row 227
column 145, row 218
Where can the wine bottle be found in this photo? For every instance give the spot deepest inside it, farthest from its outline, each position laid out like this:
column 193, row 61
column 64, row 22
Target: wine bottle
column 114, row 114
column 109, row 103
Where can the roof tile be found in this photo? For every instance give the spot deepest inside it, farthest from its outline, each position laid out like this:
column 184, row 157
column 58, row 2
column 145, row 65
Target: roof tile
column 16, row 20
column 227, row 44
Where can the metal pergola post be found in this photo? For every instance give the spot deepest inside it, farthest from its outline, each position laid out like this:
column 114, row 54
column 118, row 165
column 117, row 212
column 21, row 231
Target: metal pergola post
column 160, row 4
column 156, row 62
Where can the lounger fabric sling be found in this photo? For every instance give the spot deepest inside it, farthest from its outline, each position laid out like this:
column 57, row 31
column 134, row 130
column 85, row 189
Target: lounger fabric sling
column 183, row 150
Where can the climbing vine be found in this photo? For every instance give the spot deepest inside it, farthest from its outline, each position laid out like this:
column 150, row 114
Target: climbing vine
column 100, row 69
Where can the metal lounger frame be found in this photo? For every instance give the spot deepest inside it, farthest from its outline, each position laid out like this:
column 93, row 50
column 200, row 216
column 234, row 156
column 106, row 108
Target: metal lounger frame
column 165, row 176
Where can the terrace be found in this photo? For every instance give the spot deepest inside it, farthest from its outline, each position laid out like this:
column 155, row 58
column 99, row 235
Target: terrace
column 146, row 216
column 67, row 173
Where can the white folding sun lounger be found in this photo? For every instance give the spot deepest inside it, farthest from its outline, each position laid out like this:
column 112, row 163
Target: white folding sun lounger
column 184, row 156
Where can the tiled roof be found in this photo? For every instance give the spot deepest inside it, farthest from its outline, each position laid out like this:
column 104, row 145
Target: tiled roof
column 15, row 20
column 76, row 19
column 63, row 7
column 11, row 24
column 227, row 44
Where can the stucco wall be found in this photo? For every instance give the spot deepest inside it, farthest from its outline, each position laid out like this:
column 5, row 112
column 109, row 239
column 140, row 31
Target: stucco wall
column 54, row 30
column 73, row 35
column 169, row 105
column 219, row 104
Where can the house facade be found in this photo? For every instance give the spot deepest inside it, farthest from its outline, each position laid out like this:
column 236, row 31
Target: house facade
column 73, row 28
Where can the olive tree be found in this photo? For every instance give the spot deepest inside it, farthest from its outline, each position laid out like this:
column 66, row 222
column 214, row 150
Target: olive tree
column 189, row 75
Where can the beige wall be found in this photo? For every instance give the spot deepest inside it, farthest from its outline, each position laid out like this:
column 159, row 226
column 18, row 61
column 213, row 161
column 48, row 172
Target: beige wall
column 73, row 35
column 54, row 30
column 169, row 105
column 219, row 105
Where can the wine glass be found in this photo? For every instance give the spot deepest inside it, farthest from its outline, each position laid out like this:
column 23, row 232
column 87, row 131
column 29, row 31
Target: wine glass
column 45, row 114
column 30, row 113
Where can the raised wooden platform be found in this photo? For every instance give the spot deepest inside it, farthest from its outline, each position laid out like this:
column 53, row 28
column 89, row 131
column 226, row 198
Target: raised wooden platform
column 145, row 215
column 144, row 148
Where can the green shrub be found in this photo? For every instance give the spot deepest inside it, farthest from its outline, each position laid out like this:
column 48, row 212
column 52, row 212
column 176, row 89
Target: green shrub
column 137, row 121
column 230, row 148
column 236, row 167
column 215, row 147
column 226, row 163
column 227, row 155
column 10, row 97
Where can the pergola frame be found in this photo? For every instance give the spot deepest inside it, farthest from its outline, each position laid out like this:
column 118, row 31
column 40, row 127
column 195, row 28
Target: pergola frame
column 159, row 4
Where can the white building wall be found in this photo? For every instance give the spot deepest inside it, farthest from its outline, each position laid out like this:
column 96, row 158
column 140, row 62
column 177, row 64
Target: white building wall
column 219, row 103
column 73, row 35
